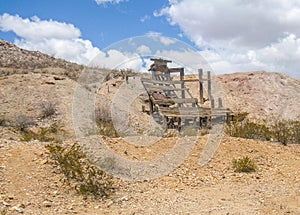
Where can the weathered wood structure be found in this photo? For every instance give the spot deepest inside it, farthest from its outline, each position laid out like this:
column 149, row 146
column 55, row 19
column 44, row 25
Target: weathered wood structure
column 172, row 102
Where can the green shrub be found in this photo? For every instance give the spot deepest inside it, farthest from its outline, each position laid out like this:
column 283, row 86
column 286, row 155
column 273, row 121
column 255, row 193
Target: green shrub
column 47, row 134
column 79, row 171
column 285, row 131
column 244, row 164
column 249, row 130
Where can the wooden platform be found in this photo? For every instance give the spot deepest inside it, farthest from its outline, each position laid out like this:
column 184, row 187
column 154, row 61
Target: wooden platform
column 172, row 100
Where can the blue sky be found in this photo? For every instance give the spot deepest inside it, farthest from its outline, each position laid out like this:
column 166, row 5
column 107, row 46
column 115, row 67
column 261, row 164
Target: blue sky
column 232, row 36
column 102, row 24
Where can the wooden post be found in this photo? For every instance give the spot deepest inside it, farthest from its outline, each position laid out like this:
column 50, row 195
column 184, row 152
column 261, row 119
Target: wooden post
column 220, row 102
column 209, row 83
column 212, row 102
column 182, row 83
column 200, row 71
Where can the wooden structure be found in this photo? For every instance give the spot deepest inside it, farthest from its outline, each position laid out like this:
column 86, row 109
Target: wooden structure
column 171, row 102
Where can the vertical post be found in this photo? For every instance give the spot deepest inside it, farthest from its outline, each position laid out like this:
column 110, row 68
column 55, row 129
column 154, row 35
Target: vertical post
column 200, row 71
column 209, row 83
column 212, row 102
column 182, row 83
column 220, row 102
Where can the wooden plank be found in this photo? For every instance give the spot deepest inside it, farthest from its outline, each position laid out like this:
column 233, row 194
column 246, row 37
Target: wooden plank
column 194, row 80
column 146, row 80
column 151, row 87
column 173, row 101
column 174, row 70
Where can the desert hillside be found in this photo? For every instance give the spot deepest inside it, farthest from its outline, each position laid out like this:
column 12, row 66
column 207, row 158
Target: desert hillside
column 264, row 95
column 36, row 97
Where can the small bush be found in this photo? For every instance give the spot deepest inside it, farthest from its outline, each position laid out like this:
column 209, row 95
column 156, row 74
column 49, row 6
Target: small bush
column 79, row 171
column 22, row 122
column 47, row 134
column 287, row 132
column 105, row 123
column 244, row 164
column 47, row 109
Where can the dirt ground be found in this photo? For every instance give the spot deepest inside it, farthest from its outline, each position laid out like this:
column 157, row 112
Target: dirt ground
column 29, row 184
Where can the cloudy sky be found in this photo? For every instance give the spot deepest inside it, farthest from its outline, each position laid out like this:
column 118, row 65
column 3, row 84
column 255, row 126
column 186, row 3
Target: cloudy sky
column 232, row 35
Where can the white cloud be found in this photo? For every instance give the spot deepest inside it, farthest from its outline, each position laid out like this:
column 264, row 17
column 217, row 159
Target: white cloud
column 59, row 39
column 245, row 34
column 108, row 1
column 167, row 41
column 36, row 29
column 115, row 59
column 143, row 49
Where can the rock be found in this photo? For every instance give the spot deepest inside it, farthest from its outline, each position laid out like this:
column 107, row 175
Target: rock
column 6, row 204
column 48, row 203
column 19, row 208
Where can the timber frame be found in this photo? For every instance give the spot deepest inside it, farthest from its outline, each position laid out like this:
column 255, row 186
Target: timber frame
column 171, row 102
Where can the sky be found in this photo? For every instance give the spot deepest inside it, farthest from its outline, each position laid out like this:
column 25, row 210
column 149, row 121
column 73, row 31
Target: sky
column 231, row 36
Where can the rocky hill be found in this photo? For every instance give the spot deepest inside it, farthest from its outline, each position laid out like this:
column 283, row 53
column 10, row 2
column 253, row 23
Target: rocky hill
column 15, row 60
column 264, row 95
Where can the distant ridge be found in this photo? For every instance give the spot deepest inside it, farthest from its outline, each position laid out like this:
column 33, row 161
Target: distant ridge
column 15, row 60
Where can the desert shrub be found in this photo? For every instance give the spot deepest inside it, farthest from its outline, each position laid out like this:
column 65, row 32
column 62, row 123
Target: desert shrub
column 47, row 109
column 284, row 131
column 287, row 131
column 46, row 134
column 244, row 164
column 22, row 122
column 105, row 123
column 295, row 130
column 80, row 172
column 249, row 130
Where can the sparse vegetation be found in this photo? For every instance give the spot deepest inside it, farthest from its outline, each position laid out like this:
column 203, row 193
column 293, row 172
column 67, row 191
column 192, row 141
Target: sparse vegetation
column 46, row 134
column 22, row 122
column 105, row 123
column 47, row 109
column 80, row 172
column 244, row 164
column 286, row 131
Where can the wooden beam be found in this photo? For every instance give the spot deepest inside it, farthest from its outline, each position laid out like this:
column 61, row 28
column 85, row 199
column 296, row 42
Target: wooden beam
column 200, row 71
column 151, row 87
column 147, row 80
column 174, row 100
